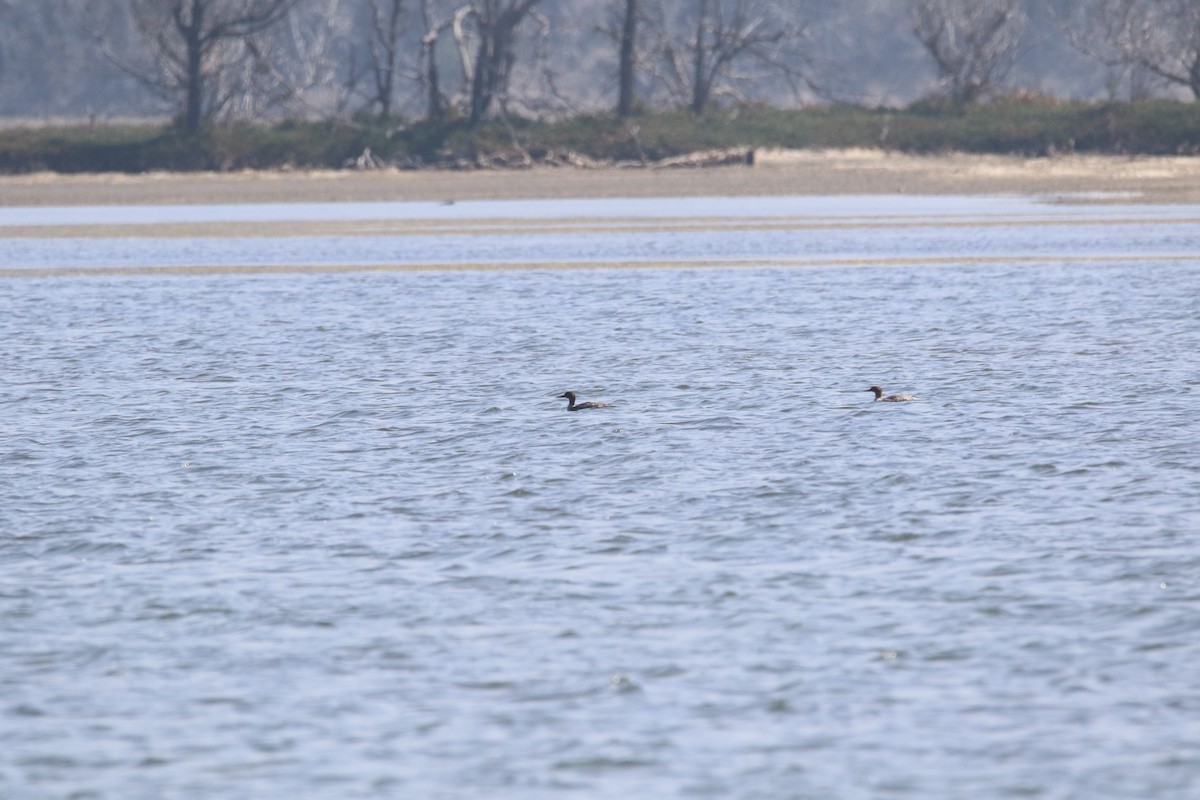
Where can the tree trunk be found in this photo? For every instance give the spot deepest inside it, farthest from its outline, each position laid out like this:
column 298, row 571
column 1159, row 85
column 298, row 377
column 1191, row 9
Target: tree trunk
column 435, row 108
column 191, row 29
column 491, row 64
column 494, row 56
column 625, row 92
column 385, row 51
column 479, row 93
column 699, row 69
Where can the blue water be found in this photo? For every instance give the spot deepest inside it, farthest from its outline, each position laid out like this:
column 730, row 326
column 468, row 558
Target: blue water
column 333, row 534
column 755, row 231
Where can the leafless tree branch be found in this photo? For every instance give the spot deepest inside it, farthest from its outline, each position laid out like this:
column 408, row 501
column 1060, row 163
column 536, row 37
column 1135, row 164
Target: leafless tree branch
column 195, row 49
column 725, row 42
column 973, row 43
column 1161, row 37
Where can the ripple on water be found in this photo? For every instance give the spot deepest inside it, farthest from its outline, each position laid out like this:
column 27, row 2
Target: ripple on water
column 337, row 520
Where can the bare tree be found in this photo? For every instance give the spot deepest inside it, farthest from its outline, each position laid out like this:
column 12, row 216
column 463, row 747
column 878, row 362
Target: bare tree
column 974, row 43
column 535, row 84
column 621, row 26
column 320, row 36
column 384, row 49
column 493, row 26
column 293, row 66
column 434, row 21
column 195, row 47
column 709, row 47
column 627, row 59
column 1161, row 37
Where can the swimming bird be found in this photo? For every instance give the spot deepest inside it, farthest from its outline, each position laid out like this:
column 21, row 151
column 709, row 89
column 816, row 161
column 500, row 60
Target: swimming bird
column 891, row 398
column 571, row 406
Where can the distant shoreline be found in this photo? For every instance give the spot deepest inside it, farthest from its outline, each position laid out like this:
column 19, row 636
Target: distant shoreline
column 1087, row 178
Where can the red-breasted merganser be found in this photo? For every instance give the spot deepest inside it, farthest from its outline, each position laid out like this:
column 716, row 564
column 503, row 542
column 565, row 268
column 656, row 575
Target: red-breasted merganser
column 571, row 406
column 891, row 398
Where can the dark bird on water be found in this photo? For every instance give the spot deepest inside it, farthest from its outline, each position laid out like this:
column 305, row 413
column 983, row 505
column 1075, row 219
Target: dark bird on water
column 891, row 398
column 573, row 406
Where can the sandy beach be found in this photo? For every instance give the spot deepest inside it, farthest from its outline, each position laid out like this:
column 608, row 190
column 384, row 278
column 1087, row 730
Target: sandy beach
column 1092, row 178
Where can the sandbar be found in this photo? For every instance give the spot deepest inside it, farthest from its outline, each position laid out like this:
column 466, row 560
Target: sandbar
column 1077, row 178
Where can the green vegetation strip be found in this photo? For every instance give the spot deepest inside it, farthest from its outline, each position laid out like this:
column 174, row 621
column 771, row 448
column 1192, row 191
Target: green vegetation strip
column 1030, row 127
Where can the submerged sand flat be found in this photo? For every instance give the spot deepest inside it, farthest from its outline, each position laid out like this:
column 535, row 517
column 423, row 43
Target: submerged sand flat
column 515, row 266
column 882, row 196
column 491, row 227
column 1094, row 178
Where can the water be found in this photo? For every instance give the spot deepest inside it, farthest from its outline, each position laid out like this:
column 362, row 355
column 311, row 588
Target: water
column 792, row 230
column 332, row 534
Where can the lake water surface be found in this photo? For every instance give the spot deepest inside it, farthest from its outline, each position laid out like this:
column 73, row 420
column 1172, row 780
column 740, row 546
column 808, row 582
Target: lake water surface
column 297, row 515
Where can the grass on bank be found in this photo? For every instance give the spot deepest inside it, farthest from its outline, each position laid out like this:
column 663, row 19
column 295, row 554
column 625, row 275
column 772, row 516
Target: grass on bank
column 1027, row 126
